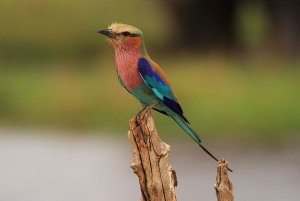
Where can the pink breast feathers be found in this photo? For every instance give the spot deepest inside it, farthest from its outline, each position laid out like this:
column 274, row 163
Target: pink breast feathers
column 127, row 54
column 128, row 71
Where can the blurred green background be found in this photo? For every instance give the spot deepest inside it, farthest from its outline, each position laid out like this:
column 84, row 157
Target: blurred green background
column 234, row 65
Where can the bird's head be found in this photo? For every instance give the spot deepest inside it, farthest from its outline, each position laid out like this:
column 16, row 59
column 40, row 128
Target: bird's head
column 124, row 36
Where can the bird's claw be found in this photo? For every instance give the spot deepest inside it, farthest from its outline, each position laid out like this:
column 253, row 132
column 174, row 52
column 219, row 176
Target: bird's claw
column 141, row 113
column 152, row 106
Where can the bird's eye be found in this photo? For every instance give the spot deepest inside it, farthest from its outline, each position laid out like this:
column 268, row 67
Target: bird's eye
column 126, row 33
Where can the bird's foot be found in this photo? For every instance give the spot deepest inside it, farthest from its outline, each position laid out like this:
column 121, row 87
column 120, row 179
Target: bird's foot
column 152, row 106
column 144, row 110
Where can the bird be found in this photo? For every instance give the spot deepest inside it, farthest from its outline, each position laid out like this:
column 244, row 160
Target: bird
column 143, row 78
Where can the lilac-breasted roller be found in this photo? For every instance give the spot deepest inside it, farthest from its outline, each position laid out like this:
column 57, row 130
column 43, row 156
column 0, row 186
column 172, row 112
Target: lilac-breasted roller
column 143, row 78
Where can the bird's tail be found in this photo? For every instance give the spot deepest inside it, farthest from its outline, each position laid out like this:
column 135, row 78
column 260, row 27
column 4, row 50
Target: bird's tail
column 190, row 132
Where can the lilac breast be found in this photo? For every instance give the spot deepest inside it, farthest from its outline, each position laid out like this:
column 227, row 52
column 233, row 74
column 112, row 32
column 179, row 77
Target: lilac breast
column 128, row 72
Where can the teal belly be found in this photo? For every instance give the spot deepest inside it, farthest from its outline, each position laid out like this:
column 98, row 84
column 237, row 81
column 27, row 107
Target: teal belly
column 144, row 94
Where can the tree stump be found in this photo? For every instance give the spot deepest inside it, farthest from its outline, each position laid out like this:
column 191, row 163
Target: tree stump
column 223, row 186
column 156, row 177
column 150, row 154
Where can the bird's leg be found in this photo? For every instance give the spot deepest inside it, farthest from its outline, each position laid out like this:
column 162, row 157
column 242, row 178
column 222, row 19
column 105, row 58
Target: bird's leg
column 140, row 114
column 141, row 110
column 152, row 105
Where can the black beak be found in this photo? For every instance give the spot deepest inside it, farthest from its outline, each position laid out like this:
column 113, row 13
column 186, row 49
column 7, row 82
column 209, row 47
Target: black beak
column 107, row 32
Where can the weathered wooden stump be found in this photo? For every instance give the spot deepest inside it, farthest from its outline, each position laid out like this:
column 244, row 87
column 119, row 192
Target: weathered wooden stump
column 156, row 177
column 223, row 186
column 150, row 154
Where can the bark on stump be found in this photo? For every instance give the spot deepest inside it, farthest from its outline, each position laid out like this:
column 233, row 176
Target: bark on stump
column 156, row 177
column 223, row 186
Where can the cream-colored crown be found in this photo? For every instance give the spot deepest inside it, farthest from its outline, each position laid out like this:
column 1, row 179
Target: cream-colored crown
column 119, row 28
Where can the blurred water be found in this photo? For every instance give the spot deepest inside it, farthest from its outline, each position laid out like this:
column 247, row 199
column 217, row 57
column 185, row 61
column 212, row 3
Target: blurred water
column 45, row 167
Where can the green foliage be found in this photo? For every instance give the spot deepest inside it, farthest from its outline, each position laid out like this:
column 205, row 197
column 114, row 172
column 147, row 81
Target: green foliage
column 253, row 24
column 218, row 97
column 40, row 87
column 39, row 30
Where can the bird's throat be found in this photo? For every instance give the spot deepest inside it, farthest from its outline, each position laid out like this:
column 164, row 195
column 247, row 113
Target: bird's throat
column 126, row 62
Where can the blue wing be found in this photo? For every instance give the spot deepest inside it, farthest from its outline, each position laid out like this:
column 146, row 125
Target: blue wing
column 155, row 80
